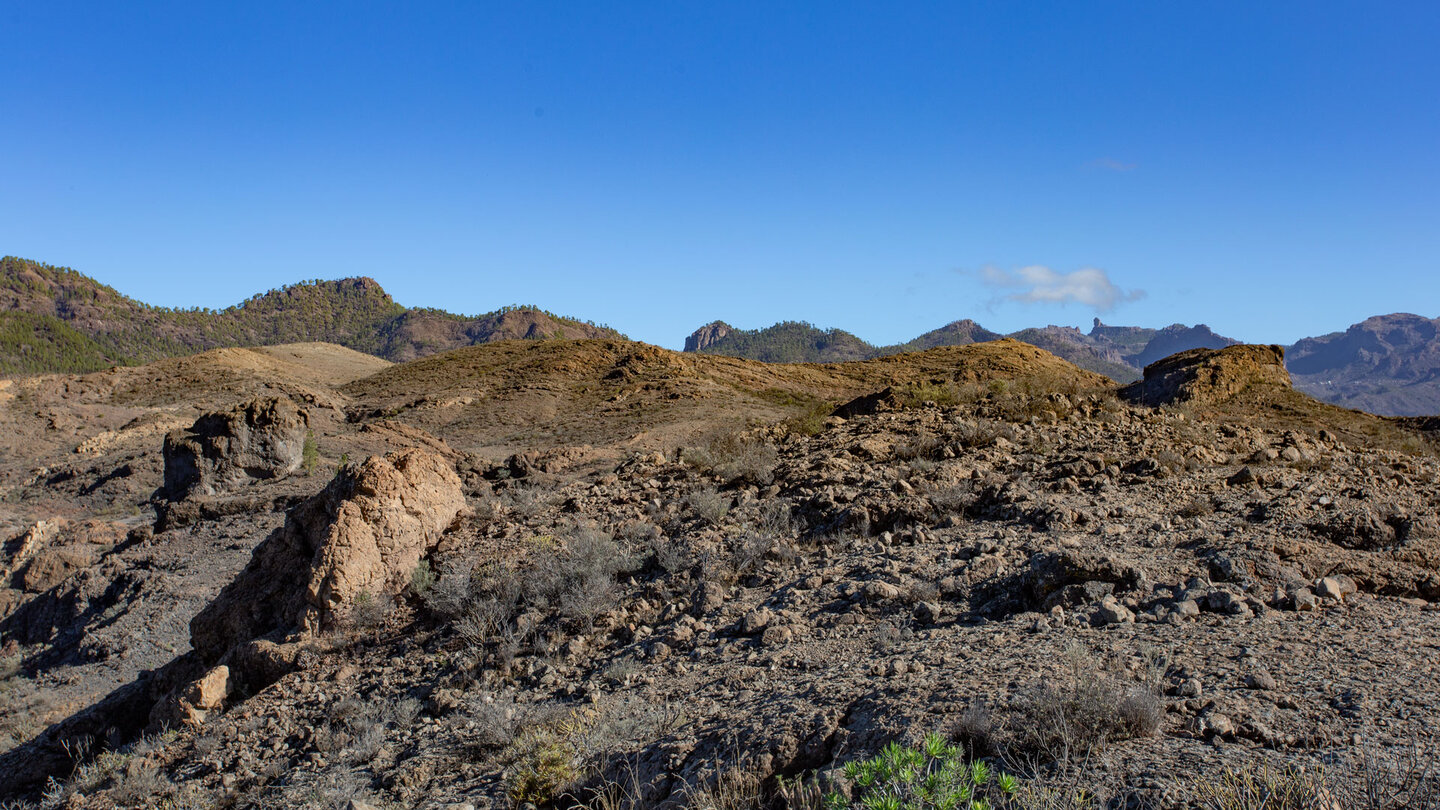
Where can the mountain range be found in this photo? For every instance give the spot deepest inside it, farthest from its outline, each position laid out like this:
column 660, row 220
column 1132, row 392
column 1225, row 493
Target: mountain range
column 1388, row 364
column 54, row 319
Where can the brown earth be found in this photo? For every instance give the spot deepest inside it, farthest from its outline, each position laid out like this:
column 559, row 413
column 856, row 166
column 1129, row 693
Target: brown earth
column 672, row 568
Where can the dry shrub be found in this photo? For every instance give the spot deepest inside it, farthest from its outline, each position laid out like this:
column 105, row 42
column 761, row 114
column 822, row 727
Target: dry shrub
column 574, row 579
column 736, row 458
column 1065, row 719
column 708, row 504
column 1196, row 507
column 1261, row 787
column 1373, row 778
column 982, row 433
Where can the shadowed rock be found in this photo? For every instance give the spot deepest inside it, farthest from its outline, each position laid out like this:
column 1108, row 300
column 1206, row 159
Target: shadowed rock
column 365, row 532
column 261, row 439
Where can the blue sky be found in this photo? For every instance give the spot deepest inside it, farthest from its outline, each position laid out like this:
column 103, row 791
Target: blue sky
column 1268, row 168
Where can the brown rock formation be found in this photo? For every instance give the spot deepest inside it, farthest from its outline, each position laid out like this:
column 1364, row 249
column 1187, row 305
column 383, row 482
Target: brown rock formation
column 364, row 532
column 706, row 335
column 1211, row 375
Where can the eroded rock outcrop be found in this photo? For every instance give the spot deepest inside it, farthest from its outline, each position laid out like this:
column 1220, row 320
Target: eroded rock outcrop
column 1211, row 375
column 364, row 533
column 706, row 335
column 260, row 439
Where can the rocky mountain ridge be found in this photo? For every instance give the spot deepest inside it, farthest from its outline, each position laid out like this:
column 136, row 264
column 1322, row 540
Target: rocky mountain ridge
column 1119, row 352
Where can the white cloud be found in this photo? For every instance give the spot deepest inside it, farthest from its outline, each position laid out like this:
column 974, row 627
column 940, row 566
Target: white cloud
column 1090, row 286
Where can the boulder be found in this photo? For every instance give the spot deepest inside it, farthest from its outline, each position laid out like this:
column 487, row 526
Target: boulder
column 364, row 533
column 260, row 439
column 49, row 567
column 1211, row 375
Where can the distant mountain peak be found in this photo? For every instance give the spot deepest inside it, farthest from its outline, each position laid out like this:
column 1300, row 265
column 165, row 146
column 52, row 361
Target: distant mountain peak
column 707, row 335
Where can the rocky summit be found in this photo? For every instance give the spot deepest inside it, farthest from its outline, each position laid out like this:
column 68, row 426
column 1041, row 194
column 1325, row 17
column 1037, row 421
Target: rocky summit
column 597, row 573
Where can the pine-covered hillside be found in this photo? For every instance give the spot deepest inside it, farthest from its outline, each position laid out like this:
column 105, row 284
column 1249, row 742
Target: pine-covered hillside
column 54, row 319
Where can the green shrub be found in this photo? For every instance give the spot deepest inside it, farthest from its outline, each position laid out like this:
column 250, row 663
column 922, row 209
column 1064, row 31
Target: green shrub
column 309, row 453
column 932, row 775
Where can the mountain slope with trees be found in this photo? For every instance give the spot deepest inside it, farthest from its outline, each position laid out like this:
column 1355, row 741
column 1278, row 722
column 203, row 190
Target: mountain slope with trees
column 56, row 319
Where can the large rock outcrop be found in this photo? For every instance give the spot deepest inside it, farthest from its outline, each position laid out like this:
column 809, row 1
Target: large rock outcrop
column 706, row 335
column 260, row 439
column 1211, row 375
column 364, row 533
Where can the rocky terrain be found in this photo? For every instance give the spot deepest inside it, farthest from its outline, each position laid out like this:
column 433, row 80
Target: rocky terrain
column 598, row 572
column 55, row 319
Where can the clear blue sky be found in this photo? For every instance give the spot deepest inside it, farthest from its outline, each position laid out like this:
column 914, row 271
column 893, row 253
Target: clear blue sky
column 1272, row 169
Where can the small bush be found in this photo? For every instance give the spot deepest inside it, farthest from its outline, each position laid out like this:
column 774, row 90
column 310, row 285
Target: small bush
column 422, row 578
column 1065, row 719
column 368, row 611
column 524, row 501
column 917, row 395
column 956, row 500
column 1262, row 788
column 574, row 579
column 708, row 504
column 736, row 459
column 1196, row 507
column 671, row 555
column 447, row 597
column 1069, row 720
column 924, row 447
column 812, row 421
column 983, row 433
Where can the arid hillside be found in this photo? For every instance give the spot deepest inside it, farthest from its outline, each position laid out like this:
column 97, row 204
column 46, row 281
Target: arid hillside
column 597, row 573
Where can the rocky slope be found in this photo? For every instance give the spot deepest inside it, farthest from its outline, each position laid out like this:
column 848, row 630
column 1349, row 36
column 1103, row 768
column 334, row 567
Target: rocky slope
column 671, row 577
column 1386, row 364
column 55, row 319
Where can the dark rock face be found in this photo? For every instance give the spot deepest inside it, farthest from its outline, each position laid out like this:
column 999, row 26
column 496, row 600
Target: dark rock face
column 261, row 439
column 1211, row 375
column 706, row 335
column 1389, row 364
column 1178, row 338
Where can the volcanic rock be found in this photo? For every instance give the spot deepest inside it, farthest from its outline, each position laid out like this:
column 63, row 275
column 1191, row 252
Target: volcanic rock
column 706, row 335
column 1211, row 375
column 260, row 439
column 364, row 533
